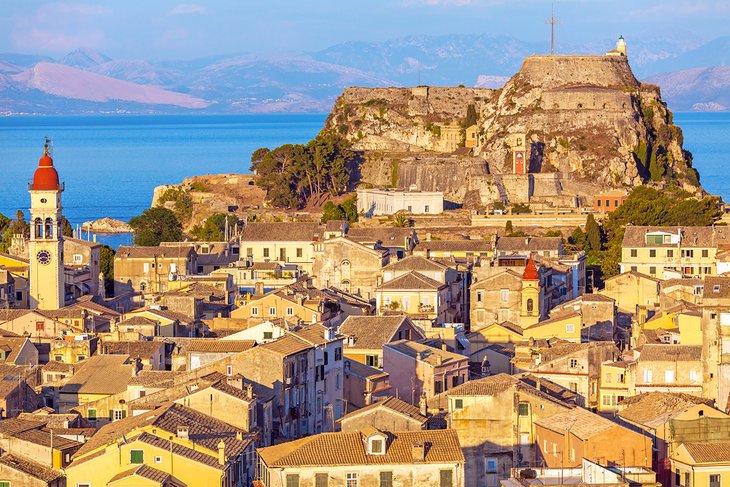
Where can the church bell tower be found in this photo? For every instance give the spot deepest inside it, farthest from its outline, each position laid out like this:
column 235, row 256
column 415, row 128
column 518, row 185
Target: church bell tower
column 46, row 237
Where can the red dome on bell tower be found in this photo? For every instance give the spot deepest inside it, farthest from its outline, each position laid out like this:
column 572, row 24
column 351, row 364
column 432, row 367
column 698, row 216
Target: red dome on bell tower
column 45, row 177
column 531, row 273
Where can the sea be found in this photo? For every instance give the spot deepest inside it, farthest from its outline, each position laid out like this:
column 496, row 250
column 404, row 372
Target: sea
column 110, row 164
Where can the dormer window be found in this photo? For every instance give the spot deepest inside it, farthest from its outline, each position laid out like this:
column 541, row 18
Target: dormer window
column 376, row 446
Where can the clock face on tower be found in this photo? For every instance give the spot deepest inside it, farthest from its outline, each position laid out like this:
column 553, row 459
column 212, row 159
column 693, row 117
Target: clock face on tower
column 44, row 257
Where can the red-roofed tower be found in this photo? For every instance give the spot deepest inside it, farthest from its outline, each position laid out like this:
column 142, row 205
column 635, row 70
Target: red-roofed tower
column 531, row 295
column 46, row 237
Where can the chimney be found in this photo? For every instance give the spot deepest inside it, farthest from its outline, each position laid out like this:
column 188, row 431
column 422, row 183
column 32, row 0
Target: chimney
column 235, row 381
column 239, row 435
column 423, row 405
column 182, row 432
column 249, row 390
column 221, row 453
column 419, row 452
column 329, row 333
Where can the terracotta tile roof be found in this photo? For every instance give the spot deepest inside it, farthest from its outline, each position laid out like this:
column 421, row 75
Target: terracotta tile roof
column 411, row 280
column 226, row 388
column 286, row 345
column 147, row 472
column 153, row 378
column 388, row 237
column 43, row 438
column 716, row 287
column 529, row 244
column 207, row 345
column 30, row 468
column 170, row 315
column 709, row 452
column 101, row 374
column 281, row 232
column 12, row 426
column 393, row 404
column 556, row 391
column 11, row 347
column 361, row 370
column 140, row 349
column 462, row 245
column 314, row 334
column 713, row 236
column 180, row 450
column 656, row 408
column 12, row 314
column 202, row 429
column 138, row 252
column 415, row 263
column 137, row 321
column 372, row 332
column 54, row 366
column 489, row 386
column 577, row 421
column 636, row 274
column 345, row 449
column 423, row 353
column 655, row 352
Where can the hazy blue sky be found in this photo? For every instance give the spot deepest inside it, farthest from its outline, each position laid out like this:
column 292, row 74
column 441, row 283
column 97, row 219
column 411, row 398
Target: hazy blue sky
column 162, row 29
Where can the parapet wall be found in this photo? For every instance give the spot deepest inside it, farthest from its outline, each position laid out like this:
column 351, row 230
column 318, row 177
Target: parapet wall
column 419, row 100
column 598, row 71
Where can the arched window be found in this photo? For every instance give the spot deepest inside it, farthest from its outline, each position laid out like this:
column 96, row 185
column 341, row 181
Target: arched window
column 143, row 286
column 530, row 306
column 49, row 228
column 38, row 224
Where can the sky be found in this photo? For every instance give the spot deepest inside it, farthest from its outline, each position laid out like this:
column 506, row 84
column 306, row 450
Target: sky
column 163, row 29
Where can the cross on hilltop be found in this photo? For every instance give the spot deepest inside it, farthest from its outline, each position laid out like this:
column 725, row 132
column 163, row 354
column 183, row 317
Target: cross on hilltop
column 552, row 23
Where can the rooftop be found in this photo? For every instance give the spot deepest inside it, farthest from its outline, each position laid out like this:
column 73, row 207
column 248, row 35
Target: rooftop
column 423, row 353
column 372, row 332
column 392, row 404
column 411, row 280
column 281, row 232
column 100, row 374
column 656, row 408
column 577, row 421
column 655, row 352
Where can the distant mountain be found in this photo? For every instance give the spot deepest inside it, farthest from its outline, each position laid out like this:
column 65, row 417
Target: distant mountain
column 697, row 89
column 310, row 82
column 83, row 57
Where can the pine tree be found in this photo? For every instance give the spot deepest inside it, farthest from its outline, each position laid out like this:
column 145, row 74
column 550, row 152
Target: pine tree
column 593, row 234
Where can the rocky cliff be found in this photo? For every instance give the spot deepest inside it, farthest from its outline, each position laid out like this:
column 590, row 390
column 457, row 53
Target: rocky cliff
column 590, row 126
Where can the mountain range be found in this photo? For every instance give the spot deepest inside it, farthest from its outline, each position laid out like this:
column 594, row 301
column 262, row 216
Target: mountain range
column 693, row 75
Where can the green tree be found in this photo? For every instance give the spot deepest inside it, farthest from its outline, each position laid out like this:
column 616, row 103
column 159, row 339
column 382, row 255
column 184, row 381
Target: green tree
column 401, row 221
column 156, row 225
column 106, row 265
column 213, row 230
column 593, row 234
column 471, row 116
column 578, row 239
column 508, row 227
column 553, row 233
column 17, row 227
column 331, row 211
column 67, row 229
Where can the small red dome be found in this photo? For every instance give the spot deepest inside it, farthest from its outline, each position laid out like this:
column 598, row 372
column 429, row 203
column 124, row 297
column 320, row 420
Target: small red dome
column 530, row 273
column 45, row 177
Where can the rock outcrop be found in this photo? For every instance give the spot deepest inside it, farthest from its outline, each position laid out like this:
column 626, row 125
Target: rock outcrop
column 590, row 126
column 106, row 225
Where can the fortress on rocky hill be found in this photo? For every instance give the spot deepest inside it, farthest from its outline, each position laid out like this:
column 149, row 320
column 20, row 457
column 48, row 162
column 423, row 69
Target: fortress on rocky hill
column 559, row 131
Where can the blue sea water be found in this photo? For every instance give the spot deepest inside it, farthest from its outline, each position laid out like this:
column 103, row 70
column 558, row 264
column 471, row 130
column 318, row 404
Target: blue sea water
column 111, row 164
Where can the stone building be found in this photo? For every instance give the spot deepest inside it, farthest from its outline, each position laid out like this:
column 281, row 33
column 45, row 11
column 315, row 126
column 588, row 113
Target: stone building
column 283, row 242
column 367, row 457
column 150, row 269
column 390, row 414
column 365, row 336
column 374, row 202
column 348, row 265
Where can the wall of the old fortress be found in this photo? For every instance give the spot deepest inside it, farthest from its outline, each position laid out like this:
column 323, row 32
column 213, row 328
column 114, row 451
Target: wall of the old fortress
column 556, row 71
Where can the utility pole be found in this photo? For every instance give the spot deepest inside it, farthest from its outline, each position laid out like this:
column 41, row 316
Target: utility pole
column 552, row 23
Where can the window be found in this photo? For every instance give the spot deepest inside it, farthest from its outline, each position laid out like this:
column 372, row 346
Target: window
column 117, row 414
column 652, row 252
column 454, row 381
column 91, row 414
column 338, row 354
column 326, row 358
column 58, row 358
column 386, row 479
column 693, row 376
column 634, row 253
column 229, row 370
column 437, row 387
column 292, row 480
column 268, row 335
column 446, row 478
column 530, row 306
column 615, row 203
column 647, row 376
column 652, row 270
column 300, row 252
column 290, row 311
column 688, row 253
column 569, row 328
column 78, row 259
column 458, row 404
column 266, row 254
column 371, row 360
column 705, row 253
column 255, row 311
column 573, row 363
column 158, row 459
column 479, row 296
column 606, row 400
column 376, row 446
column 83, row 485
column 670, row 252
column 200, row 269
column 136, row 456
column 491, row 465
column 282, row 254
column 634, row 268
column 504, row 295
column 598, row 202
column 146, row 267
column 668, row 376
column 426, row 209
column 523, row 409
column 714, row 480
column 351, row 479
column 272, row 311
column 321, row 480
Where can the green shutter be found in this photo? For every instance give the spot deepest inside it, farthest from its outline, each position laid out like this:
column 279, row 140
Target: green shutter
column 91, row 414
column 136, row 456
column 446, row 478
